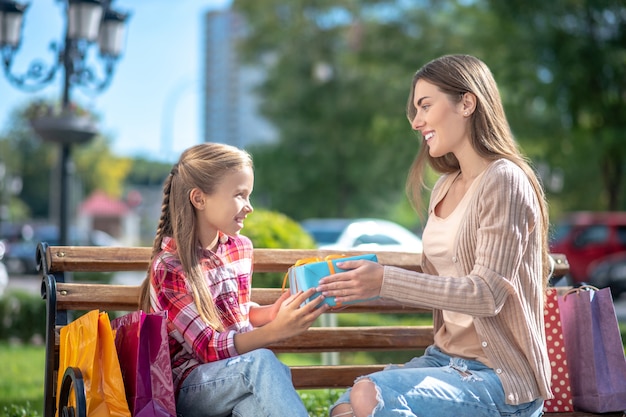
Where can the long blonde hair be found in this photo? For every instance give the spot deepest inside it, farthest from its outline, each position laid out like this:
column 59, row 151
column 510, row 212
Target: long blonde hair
column 490, row 133
column 201, row 166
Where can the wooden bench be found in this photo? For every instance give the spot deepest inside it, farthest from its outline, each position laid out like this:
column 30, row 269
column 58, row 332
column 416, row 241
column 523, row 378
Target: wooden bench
column 62, row 297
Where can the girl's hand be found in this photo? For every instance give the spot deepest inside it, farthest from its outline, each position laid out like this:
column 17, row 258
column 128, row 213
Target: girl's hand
column 292, row 319
column 274, row 308
column 363, row 280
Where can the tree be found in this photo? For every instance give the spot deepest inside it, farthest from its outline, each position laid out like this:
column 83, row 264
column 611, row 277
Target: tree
column 337, row 80
column 570, row 76
column 35, row 161
column 100, row 169
column 25, row 156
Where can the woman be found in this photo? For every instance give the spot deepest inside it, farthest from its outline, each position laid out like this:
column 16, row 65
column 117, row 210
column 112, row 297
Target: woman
column 485, row 262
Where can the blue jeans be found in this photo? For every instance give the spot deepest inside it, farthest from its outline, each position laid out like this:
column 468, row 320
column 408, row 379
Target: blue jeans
column 438, row 385
column 255, row 384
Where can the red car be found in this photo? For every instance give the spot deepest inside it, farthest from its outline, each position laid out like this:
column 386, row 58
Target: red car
column 585, row 237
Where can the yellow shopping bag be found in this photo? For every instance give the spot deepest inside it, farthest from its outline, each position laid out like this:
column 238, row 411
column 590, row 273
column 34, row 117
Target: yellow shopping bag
column 88, row 344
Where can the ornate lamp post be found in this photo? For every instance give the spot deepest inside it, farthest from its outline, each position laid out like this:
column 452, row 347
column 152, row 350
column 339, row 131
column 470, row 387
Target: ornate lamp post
column 88, row 23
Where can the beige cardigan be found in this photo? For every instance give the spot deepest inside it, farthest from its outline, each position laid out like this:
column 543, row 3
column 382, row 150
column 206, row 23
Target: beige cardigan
column 498, row 258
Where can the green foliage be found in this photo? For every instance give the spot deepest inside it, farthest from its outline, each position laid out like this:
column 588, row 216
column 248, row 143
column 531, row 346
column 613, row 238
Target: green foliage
column 27, row 157
column 567, row 92
column 35, row 162
column 345, row 142
column 15, row 410
column 95, row 277
column 21, row 385
column 345, row 146
column 100, row 169
column 317, row 402
column 269, row 229
column 148, row 173
column 22, row 316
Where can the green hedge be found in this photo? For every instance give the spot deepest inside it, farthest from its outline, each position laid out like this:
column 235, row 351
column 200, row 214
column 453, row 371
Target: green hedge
column 22, row 317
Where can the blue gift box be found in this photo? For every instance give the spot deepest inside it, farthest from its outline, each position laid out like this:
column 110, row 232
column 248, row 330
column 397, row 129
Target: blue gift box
column 308, row 275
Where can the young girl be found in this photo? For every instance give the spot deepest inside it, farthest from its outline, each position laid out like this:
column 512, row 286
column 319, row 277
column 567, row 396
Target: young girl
column 200, row 274
column 485, row 262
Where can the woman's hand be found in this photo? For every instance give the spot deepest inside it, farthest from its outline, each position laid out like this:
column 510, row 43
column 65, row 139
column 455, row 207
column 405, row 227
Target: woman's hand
column 363, row 280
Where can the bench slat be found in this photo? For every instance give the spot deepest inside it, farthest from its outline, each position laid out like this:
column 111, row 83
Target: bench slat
column 86, row 296
column 110, row 259
column 346, row 339
column 79, row 296
column 329, row 376
column 97, row 258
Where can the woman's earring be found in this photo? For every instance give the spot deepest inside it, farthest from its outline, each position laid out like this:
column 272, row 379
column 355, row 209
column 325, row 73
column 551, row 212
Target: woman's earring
column 465, row 113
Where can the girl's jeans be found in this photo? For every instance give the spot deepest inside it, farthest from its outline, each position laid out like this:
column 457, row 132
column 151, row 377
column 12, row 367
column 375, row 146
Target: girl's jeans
column 438, row 385
column 255, row 384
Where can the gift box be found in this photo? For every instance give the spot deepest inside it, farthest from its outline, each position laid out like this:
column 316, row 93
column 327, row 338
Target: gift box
column 307, row 273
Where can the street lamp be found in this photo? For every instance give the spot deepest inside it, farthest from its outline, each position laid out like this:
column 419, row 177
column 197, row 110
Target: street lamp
column 88, row 23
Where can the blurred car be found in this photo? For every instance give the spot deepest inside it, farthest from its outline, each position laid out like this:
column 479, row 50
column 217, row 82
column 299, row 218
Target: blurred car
column 362, row 234
column 20, row 255
column 585, row 237
column 610, row 272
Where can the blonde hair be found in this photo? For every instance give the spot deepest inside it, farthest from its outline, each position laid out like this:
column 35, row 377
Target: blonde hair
column 201, row 166
column 490, row 133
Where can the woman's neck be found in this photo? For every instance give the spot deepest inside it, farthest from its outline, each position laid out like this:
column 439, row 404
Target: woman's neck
column 472, row 165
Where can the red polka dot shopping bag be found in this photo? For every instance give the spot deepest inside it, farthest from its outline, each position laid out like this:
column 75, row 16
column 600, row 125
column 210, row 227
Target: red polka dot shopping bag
column 561, row 387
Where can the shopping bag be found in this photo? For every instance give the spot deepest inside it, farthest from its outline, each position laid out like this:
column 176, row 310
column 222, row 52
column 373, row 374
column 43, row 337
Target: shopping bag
column 306, row 273
column 87, row 343
column 594, row 350
column 560, row 383
column 142, row 346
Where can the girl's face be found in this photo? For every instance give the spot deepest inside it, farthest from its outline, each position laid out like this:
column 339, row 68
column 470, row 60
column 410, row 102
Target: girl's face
column 441, row 122
column 226, row 208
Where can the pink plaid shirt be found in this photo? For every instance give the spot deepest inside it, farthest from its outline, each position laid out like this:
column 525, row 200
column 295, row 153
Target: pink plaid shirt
column 228, row 272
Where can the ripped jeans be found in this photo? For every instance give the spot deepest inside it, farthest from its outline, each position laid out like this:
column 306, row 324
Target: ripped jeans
column 438, row 385
column 255, row 384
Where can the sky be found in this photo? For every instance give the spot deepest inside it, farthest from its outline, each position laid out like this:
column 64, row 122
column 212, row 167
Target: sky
column 152, row 107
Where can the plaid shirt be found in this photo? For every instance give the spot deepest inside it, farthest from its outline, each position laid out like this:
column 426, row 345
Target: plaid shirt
column 228, row 272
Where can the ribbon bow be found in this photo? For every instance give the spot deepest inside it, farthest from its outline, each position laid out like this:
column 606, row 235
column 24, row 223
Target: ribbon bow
column 328, row 259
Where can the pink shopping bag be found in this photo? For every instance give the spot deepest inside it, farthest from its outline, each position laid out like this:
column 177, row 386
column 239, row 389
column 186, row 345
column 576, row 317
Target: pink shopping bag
column 142, row 346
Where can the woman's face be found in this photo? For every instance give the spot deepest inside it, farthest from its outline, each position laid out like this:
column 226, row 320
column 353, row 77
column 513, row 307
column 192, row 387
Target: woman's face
column 441, row 122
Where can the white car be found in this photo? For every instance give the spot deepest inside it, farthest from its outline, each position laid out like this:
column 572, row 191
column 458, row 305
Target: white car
column 4, row 275
column 362, row 234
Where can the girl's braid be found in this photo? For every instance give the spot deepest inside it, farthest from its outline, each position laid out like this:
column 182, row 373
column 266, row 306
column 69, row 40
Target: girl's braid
column 164, row 228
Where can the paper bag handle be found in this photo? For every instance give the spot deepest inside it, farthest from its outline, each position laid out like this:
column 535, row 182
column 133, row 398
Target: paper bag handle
column 579, row 289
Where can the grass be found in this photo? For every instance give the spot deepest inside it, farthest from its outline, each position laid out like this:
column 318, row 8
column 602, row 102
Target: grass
column 21, row 383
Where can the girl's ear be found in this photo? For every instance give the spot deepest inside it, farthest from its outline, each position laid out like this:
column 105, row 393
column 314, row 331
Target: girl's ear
column 468, row 103
column 196, row 196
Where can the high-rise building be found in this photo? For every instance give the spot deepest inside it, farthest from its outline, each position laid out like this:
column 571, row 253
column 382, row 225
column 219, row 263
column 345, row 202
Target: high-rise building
column 230, row 113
